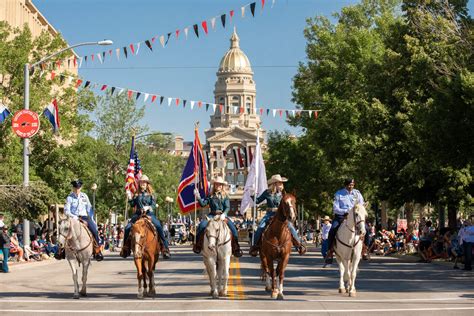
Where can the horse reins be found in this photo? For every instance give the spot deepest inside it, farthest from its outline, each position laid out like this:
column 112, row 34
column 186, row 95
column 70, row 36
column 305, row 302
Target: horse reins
column 216, row 237
column 68, row 238
column 353, row 231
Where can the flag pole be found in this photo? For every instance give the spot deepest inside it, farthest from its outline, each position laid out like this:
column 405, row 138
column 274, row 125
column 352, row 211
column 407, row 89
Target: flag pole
column 196, row 126
column 256, row 184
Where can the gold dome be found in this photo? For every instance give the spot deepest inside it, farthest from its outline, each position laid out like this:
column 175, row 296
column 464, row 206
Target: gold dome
column 235, row 59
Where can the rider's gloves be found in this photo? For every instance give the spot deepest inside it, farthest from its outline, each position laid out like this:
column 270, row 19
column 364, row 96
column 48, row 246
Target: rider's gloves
column 196, row 193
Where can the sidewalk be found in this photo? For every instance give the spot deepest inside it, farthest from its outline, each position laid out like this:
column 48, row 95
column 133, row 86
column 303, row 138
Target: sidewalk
column 19, row 266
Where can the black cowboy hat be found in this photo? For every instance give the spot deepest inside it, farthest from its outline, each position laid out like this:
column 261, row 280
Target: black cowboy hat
column 76, row 183
column 348, row 181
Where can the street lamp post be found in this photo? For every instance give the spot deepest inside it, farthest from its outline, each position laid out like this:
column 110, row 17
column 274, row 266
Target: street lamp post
column 26, row 106
column 94, row 189
column 168, row 201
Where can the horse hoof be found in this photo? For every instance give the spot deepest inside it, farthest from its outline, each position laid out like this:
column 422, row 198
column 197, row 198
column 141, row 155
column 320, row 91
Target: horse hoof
column 340, row 290
column 274, row 294
column 352, row 294
column 280, row 297
column 222, row 293
column 76, row 296
column 215, row 295
column 83, row 294
column 140, row 296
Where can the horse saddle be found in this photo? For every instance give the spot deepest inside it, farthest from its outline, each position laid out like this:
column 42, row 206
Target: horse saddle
column 148, row 223
column 84, row 224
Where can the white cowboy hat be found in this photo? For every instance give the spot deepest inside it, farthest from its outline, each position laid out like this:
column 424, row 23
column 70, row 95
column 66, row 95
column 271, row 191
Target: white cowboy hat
column 277, row 178
column 219, row 180
column 326, row 218
column 144, row 178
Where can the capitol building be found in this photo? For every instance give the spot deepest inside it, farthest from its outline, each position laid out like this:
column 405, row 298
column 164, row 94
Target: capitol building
column 233, row 133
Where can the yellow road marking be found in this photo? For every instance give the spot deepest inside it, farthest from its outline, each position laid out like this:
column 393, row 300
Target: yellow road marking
column 235, row 287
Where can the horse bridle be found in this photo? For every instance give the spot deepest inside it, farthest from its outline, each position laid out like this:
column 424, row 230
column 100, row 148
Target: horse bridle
column 356, row 223
column 208, row 235
column 68, row 238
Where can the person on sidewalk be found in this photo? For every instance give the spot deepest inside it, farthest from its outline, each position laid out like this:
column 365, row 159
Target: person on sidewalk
column 325, row 228
column 5, row 247
column 466, row 240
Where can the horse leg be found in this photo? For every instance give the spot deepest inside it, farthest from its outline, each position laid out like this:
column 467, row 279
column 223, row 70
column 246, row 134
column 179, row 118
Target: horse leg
column 138, row 264
column 281, row 274
column 274, row 286
column 85, row 268
column 151, row 278
column 352, row 289
column 211, row 271
column 224, row 266
column 145, row 275
column 347, row 273
column 266, row 273
column 341, row 275
column 74, row 268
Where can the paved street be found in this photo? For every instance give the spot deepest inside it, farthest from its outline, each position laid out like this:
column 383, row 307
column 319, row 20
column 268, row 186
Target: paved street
column 385, row 285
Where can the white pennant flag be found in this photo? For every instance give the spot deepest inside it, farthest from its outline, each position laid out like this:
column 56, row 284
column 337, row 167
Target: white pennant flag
column 293, row 112
column 213, row 23
column 243, row 11
column 146, row 97
column 214, row 107
column 162, row 40
column 310, row 112
column 100, row 57
column 256, row 179
column 192, row 105
column 117, row 51
column 121, row 91
column 273, row 3
column 169, row 101
column 235, row 109
column 80, row 62
column 138, row 48
column 69, row 80
column 186, row 32
column 94, row 86
column 274, row 112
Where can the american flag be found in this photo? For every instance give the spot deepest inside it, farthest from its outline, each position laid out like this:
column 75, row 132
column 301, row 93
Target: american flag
column 134, row 170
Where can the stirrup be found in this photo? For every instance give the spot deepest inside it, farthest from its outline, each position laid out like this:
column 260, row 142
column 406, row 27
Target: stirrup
column 254, row 250
column 125, row 252
column 301, row 249
column 166, row 254
column 196, row 249
column 237, row 253
column 99, row 256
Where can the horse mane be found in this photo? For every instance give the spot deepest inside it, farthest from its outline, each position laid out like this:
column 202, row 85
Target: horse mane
column 360, row 208
column 284, row 205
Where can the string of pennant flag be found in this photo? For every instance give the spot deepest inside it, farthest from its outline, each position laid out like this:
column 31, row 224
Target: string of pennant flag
column 156, row 98
column 134, row 48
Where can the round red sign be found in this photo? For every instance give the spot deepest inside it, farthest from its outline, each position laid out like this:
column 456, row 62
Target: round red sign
column 25, row 123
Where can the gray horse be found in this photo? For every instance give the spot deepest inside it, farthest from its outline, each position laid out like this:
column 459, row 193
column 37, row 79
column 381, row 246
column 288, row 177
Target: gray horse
column 78, row 243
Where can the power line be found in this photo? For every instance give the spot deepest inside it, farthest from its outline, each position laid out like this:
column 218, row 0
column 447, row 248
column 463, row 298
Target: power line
column 177, row 67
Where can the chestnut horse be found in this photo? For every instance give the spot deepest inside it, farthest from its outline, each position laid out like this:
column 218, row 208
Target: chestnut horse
column 276, row 245
column 146, row 248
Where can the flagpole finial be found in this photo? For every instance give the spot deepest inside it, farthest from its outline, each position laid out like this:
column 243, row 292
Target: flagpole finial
column 196, row 125
column 134, row 132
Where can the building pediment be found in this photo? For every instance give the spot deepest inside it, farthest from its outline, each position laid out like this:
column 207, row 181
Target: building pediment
column 232, row 134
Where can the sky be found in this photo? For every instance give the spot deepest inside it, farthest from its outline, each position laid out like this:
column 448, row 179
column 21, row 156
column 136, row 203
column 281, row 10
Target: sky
column 273, row 41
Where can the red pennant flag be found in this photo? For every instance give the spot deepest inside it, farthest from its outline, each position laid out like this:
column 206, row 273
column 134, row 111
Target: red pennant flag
column 153, row 98
column 241, row 109
column 261, row 111
column 78, row 83
column 132, row 48
column 92, row 57
column 281, row 112
column 263, row 4
column 199, row 104
column 103, row 87
column 231, row 13
column 75, row 61
column 53, row 74
column 177, row 101
column 153, row 39
column 130, row 93
column 315, row 114
column 58, row 64
column 204, row 26
column 220, row 107
column 177, row 33
column 110, row 52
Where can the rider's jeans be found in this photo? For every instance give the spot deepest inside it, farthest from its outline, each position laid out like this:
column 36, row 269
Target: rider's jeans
column 203, row 224
column 264, row 222
column 155, row 222
column 336, row 222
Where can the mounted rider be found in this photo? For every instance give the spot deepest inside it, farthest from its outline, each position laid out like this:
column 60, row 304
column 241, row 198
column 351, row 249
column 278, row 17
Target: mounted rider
column 344, row 201
column 219, row 203
column 273, row 197
column 143, row 202
column 79, row 207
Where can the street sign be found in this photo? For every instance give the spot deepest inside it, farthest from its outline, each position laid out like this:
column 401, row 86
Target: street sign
column 25, row 123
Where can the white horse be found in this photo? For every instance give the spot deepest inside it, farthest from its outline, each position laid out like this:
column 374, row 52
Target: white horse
column 78, row 244
column 348, row 247
column 216, row 252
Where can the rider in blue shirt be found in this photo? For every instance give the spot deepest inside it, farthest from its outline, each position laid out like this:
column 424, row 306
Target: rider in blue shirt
column 144, row 202
column 344, row 201
column 77, row 207
column 218, row 202
column 273, row 197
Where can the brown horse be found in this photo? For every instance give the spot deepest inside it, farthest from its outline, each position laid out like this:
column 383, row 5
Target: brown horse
column 276, row 245
column 146, row 248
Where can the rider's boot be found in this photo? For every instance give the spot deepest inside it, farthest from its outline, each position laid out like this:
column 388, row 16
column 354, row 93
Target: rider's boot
column 125, row 252
column 298, row 245
column 61, row 254
column 236, row 248
column 255, row 249
column 166, row 253
column 97, row 253
column 365, row 253
column 198, row 245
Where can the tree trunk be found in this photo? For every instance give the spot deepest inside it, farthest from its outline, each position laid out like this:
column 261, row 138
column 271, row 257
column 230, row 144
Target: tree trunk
column 452, row 216
column 409, row 207
column 384, row 211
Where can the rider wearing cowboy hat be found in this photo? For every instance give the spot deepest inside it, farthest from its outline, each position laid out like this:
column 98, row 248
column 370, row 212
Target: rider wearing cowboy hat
column 326, row 227
column 273, row 196
column 144, row 202
column 218, row 202
column 344, row 201
column 78, row 206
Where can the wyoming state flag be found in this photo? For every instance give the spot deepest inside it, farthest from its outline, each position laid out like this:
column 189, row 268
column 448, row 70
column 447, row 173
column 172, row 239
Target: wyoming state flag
column 194, row 176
